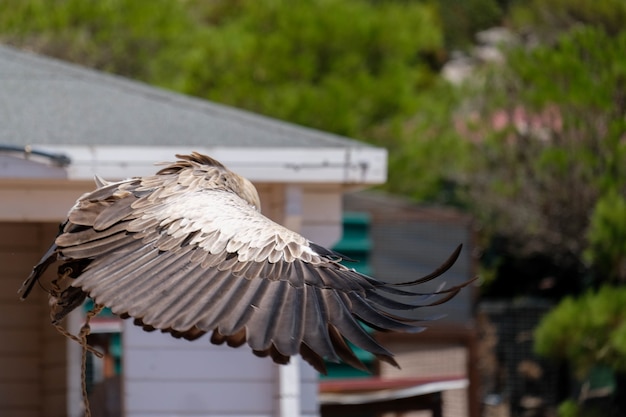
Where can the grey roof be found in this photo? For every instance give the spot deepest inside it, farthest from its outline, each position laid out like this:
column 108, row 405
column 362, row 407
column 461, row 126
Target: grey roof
column 49, row 102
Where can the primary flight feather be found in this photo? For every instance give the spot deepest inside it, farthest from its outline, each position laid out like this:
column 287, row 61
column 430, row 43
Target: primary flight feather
column 187, row 251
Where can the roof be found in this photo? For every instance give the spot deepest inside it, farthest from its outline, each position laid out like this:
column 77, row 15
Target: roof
column 99, row 119
column 380, row 395
column 339, row 389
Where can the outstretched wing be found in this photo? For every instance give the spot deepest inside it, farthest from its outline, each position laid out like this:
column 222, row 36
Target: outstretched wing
column 178, row 254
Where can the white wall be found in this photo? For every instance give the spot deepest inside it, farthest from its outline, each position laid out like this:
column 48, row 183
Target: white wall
column 164, row 376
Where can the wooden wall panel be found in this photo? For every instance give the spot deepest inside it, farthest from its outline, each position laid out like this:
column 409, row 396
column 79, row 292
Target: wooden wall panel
column 20, row 322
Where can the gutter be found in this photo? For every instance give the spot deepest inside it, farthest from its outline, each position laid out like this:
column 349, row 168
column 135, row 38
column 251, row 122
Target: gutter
column 340, row 165
column 57, row 159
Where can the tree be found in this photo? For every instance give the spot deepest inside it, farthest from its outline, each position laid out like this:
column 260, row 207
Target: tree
column 345, row 66
column 545, row 20
column 549, row 183
column 342, row 66
column 549, row 129
column 130, row 38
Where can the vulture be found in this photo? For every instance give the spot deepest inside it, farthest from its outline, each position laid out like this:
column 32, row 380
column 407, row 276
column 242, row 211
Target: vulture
column 188, row 252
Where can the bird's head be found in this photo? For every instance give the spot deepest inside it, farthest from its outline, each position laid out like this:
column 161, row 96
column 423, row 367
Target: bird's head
column 225, row 177
column 246, row 190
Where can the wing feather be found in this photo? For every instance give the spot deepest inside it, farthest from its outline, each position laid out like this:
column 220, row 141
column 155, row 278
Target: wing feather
column 289, row 323
column 210, row 317
column 151, row 301
column 316, row 318
column 343, row 350
column 199, row 313
column 83, row 236
column 374, row 318
column 230, row 293
column 348, row 327
column 114, row 213
column 240, row 312
column 262, row 325
column 94, row 248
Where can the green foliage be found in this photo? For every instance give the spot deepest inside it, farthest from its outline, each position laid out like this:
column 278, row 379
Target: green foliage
column 428, row 157
column 302, row 62
column 546, row 19
column 462, row 19
column 571, row 408
column 126, row 37
column 587, row 331
column 607, row 238
column 568, row 408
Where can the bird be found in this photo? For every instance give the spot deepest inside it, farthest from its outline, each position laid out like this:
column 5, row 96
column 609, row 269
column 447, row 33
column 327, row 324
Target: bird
column 188, row 252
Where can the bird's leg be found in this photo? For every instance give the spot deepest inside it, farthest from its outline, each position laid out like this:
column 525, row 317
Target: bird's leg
column 63, row 297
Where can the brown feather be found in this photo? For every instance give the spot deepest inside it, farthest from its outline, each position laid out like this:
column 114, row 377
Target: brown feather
column 186, row 251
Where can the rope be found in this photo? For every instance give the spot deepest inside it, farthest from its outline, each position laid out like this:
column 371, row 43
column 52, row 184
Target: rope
column 81, row 339
column 78, row 340
column 55, row 292
column 84, row 332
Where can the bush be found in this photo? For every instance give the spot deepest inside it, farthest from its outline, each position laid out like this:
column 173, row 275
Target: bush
column 586, row 331
column 607, row 238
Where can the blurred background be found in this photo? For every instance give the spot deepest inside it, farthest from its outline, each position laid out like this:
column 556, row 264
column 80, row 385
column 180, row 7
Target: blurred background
column 510, row 112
